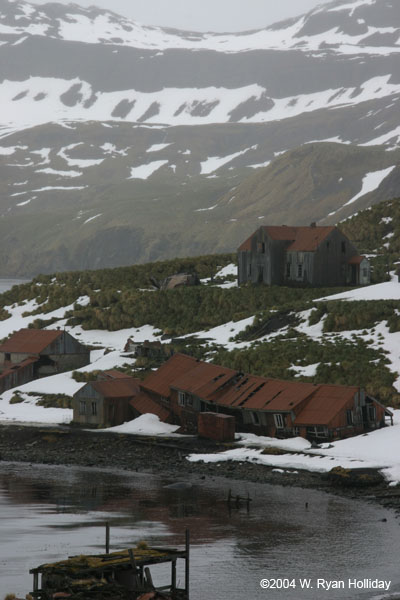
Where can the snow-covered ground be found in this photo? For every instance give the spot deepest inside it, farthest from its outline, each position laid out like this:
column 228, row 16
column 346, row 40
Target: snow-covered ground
column 378, row 449
column 389, row 290
column 144, row 425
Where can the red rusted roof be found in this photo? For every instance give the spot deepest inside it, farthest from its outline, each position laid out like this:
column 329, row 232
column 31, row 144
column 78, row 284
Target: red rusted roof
column 144, row 404
column 325, row 404
column 203, row 380
column 30, row 341
column 356, row 260
column 247, row 244
column 303, row 239
column 12, row 368
column 259, row 393
column 160, row 381
column 117, row 388
column 309, row 238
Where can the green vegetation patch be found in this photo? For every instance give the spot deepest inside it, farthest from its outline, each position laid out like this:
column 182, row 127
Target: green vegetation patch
column 61, row 289
column 364, row 314
column 52, row 400
column 187, row 310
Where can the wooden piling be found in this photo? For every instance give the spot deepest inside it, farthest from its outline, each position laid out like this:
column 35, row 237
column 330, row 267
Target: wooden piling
column 107, row 538
column 187, row 548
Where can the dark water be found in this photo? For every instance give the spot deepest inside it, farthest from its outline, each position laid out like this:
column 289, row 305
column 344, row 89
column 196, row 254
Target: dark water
column 48, row 513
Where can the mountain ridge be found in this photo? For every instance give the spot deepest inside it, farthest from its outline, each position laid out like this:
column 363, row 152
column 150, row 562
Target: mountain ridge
column 142, row 147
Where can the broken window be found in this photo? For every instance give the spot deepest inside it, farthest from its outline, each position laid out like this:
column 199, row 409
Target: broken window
column 94, row 409
column 261, row 247
column 181, row 398
column 279, row 421
column 343, row 247
column 299, row 270
column 371, row 412
column 82, row 407
column 349, row 417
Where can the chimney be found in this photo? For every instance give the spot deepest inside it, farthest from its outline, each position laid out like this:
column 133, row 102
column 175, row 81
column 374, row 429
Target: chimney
column 313, row 224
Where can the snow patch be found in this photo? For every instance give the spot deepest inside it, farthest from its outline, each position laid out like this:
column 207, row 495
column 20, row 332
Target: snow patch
column 145, row 171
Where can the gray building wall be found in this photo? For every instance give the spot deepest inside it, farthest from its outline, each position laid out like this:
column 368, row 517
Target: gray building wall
column 88, row 395
column 269, row 262
column 264, row 263
column 331, row 260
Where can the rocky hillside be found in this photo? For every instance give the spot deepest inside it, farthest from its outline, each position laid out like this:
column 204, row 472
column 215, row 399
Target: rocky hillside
column 122, row 143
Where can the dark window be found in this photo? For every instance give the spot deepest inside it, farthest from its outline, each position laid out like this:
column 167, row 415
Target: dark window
column 263, row 247
column 181, row 398
column 299, row 270
column 279, row 421
column 365, row 272
column 94, row 409
column 327, row 245
column 7, row 356
column 189, row 400
column 344, row 247
column 288, row 269
column 371, row 413
column 349, row 416
column 82, row 407
column 255, row 418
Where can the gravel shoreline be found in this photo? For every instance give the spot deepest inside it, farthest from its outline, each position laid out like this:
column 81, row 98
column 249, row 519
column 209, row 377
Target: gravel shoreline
column 76, row 447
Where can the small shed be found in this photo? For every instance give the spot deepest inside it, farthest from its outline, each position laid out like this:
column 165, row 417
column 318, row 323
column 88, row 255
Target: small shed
column 105, row 403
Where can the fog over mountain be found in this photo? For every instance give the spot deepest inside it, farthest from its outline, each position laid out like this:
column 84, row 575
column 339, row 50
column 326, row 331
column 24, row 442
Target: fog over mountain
column 123, row 143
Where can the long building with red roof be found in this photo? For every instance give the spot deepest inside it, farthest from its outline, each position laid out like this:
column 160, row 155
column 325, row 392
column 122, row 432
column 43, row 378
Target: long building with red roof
column 316, row 256
column 184, row 387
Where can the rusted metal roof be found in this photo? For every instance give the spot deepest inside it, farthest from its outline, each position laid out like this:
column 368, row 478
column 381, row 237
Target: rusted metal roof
column 356, row 260
column 309, row 238
column 325, row 404
column 117, row 388
column 246, row 246
column 144, row 404
column 271, row 395
column 160, row 381
column 12, row 368
column 30, row 341
column 303, row 239
column 203, row 379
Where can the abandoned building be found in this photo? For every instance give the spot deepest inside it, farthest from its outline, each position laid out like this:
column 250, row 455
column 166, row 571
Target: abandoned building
column 147, row 349
column 184, row 387
column 32, row 353
column 315, row 256
column 105, row 402
column 176, row 280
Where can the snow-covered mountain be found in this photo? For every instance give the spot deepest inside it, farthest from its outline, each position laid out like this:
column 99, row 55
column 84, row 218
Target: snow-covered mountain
column 110, row 124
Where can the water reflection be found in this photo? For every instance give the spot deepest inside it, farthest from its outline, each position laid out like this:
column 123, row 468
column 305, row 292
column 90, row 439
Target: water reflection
column 48, row 513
